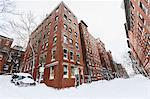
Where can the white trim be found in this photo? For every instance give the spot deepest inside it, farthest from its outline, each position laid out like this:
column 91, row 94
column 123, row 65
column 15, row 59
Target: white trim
column 52, row 64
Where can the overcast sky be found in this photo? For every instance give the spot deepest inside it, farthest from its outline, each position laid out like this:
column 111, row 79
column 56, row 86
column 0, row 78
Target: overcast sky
column 105, row 19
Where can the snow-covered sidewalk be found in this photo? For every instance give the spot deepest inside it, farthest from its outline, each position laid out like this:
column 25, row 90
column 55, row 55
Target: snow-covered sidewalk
column 136, row 87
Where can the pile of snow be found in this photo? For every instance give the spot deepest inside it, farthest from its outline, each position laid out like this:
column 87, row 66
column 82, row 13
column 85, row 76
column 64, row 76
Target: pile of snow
column 137, row 87
column 23, row 74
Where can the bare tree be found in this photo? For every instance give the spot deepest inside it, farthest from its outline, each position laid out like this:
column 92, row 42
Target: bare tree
column 22, row 26
column 126, row 59
column 7, row 6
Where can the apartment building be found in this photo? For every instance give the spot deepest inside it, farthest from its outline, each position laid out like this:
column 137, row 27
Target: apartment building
column 55, row 45
column 138, row 34
column 10, row 58
column 91, row 56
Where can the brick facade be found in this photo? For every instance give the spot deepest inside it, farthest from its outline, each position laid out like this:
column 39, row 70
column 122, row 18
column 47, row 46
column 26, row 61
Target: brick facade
column 138, row 34
column 10, row 58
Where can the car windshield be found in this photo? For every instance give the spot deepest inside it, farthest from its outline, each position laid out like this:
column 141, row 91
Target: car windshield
column 21, row 77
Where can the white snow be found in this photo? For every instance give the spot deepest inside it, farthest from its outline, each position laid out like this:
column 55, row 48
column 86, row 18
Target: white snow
column 27, row 80
column 23, row 74
column 137, row 87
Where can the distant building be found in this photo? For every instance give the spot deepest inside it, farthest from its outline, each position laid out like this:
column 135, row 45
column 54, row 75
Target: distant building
column 120, row 71
column 10, row 59
column 138, row 33
column 91, row 56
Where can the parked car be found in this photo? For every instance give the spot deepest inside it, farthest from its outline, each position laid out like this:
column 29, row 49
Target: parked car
column 22, row 79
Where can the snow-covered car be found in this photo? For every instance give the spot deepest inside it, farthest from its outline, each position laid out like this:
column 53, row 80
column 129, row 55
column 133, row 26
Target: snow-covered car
column 23, row 79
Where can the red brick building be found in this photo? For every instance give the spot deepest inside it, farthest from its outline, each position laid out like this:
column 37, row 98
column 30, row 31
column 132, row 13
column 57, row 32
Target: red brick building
column 138, row 34
column 91, row 56
column 56, row 43
column 5, row 47
column 10, row 58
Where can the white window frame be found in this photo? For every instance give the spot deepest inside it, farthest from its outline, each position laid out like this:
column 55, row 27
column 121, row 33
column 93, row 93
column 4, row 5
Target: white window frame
column 55, row 28
column 70, row 41
column 65, row 39
column 56, row 18
column 70, row 30
column 65, row 27
column 54, row 39
column 77, row 45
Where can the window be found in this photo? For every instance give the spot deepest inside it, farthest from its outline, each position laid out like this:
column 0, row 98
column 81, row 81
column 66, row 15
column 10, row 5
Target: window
column 65, row 71
column 145, row 10
column 69, row 20
column 56, row 10
column 55, row 28
column 56, row 18
column 43, row 46
column 65, row 8
column 49, row 23
column 71, row 55
column 51, row 72
column 55, row 39
column 70, row 30
column 65, row 39
column 69, row 12
column 70, row 41
column 78, row 58
column 76, row 34
column 72, row 71
column 53, row 54
column 65, row 54
column 77, row 45
column 75, row 25
column 65, row 26
column 46, row 44
column 65, row 17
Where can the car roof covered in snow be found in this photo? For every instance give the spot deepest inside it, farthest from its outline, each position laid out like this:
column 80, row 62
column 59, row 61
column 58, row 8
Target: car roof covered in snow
column 23, row 74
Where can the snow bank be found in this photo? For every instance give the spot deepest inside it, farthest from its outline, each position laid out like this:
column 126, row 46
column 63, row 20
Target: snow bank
column 137, row 87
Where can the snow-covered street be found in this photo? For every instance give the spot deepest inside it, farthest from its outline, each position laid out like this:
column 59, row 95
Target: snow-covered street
column 136, row 87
